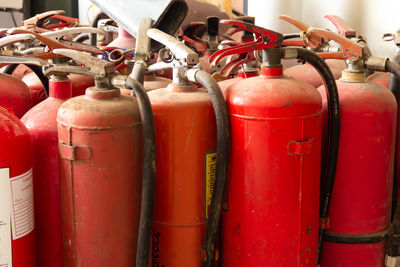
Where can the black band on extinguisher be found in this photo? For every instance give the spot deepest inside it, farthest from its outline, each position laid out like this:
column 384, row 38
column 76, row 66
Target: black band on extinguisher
column 355, row 239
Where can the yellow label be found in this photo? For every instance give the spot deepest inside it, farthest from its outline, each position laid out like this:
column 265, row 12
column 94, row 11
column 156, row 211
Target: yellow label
column 211, row 170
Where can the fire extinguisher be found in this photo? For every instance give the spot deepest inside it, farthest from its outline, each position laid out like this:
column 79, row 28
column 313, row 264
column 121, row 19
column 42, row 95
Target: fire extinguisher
column 316, row 43
column 100, row 143
column 17, row 241
column 192, row 130
column 359, row 216
column 271, row 216
column 42, row 125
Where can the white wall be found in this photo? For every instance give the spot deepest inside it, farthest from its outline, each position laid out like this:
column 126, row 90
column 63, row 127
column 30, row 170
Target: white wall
column 371, row 18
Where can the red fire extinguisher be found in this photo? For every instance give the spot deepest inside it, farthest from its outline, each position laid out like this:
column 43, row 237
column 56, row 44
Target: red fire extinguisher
column 359, row 216
column 192, row 138
column 316, row 43
column 42, row 125
column 272, row 215
column 17, row 243
column 100, row 143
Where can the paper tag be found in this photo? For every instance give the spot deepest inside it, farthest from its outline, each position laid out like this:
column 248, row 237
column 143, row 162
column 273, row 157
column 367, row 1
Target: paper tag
column 22, row 204
column 5, row 219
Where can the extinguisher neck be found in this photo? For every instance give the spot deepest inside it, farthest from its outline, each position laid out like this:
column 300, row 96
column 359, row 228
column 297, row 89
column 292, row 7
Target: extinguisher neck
column 60, row 87
column 179, row 77
column 355, row 72
column 271, row 65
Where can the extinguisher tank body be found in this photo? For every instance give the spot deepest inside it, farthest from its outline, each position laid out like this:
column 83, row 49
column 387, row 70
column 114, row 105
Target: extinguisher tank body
column 309, row 74
column 272, row 215
column 41, row 122
column 381, row 78
column 15, row 95
column 17, row 241
column 186, row 157
column 361, row 199
column 100, row 143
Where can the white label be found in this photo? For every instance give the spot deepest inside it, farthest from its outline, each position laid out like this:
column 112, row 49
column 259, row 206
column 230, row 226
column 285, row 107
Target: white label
column 22, row 205
column 5, row 219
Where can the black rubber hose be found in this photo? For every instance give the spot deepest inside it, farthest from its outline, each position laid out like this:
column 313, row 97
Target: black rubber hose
column 333, row 130
column 9, row 69
column 223, row 142
column 149, row 172
column 291, row 36
column 394, row 86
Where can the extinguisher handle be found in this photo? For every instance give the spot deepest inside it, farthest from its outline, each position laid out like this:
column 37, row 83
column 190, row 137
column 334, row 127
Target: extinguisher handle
column 97, row 67
column 264, row 39
column 53, row 44
column 192, row 35
column 342, row 27
column 6, row 60
column 7, row 40
column 72, row 31
column 269, row 37
column 179, row 50
column 64, row 21
column 309, row 39
column 301, row 25
column 38, row 20
column 349, row 48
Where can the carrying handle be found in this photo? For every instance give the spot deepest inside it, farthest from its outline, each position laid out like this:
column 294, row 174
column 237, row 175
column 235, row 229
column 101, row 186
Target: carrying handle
column 264, row 39
column 180, row 51
column 10, row 39
column 7, row 60
column 350, row 49
column 309, row 39
column 97, row 67
column 40, row 18
column 342, row 27
column 72, row 31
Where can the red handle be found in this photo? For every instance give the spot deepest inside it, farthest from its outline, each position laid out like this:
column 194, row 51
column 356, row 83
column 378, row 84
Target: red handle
column 342, row 27
column 264, row 39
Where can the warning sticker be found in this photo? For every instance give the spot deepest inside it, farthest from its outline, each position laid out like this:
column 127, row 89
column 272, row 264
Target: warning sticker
column 211, row 170
column 22, row 205
column 5, row 219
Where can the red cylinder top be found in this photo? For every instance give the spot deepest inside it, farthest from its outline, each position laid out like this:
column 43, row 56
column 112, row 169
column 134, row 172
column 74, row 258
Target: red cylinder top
column 269, row 96
column 271, row 72
column 61, row 89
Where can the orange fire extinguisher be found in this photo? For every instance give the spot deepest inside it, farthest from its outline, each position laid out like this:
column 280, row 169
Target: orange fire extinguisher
column 103, row 159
